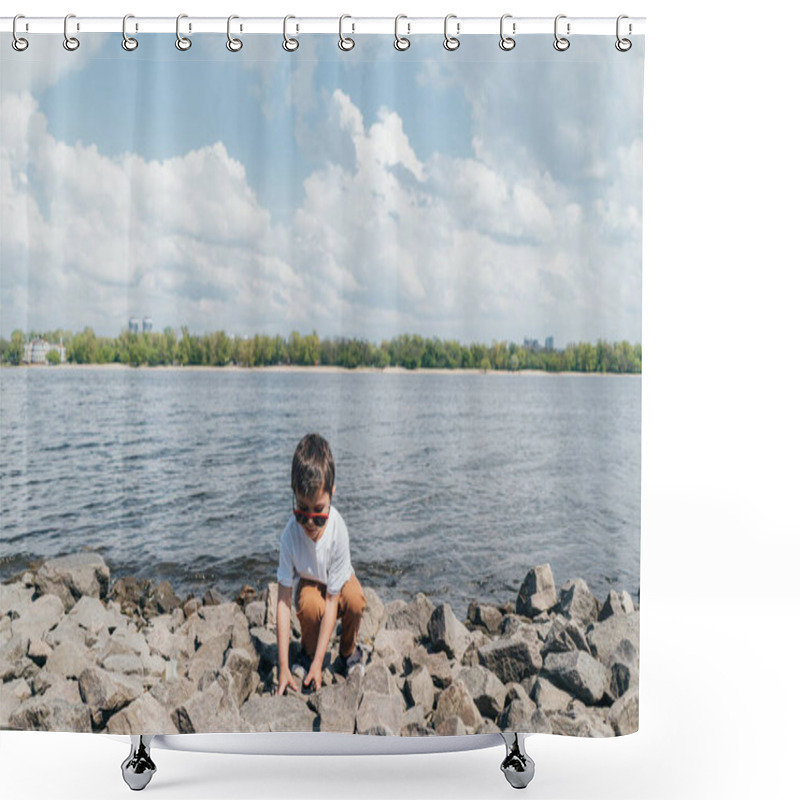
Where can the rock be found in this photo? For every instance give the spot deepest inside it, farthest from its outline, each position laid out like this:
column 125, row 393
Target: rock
column 39, row 651
column 604, row 637
column 456, row 700
column 372, row 616
column 124, row 664
column 579, row 722
column 15, row 598
column 624, row 668
column 418, row 690
column 165, row 599
column 518, row 714
column 477, row 640
column 486, row 690
column 72, row 577
column 212, row 709
column 67, row 630
column 380, row 714
column 450, row 726
column 447, row 633
column 160, row 637
column 69, row 659
column 392, row 647
column 106, row 692
column 378, row 679
column 130, row 593
column 286, row 712
column 126, row 640
column 191, row 606
column 487, row 726
column 414, row 723
column 225, row 618
column 338, row 705
column 616, row 604
column 265, row 643
column 172, row 693
column 548, row 697
column 484, row 616
column 579, row 674
column 538, row 592
column 272, row 606
column 564, row 636
column 256, row 613
column 624, row 714
column 40, row 617
column 511, row 659
column 414, row 616
column 242, row 666
column 577, row 602
column 248, row 595
column 143, row 716
column 437, row 664
column 92, row 615
column 48, row 714
column 209, row 656
column 213, row 598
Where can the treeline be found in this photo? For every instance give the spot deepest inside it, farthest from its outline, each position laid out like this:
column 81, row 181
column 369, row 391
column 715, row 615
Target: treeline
column 409, row 351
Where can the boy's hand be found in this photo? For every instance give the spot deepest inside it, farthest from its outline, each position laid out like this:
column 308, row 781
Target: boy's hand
column 285, row 680
column 315, row 674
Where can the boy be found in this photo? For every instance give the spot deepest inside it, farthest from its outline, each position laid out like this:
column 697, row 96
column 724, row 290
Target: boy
column 315, row 550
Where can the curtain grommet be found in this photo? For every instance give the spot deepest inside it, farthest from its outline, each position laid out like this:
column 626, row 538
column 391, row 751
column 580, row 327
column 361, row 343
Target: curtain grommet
column 561, row 43
column 289, row 44
column 401, row 42
column 507, row 42
column 129, row 43
column 233, row 44
column 18, row 43
column 70, row 43
column 451, row 42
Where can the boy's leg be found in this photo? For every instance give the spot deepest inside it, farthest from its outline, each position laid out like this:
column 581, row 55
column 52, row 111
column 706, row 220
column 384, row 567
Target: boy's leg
column 351, row 606
column 310, row 608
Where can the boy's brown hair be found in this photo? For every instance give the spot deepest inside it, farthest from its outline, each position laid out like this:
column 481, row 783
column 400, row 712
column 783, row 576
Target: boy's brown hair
column 312, row 466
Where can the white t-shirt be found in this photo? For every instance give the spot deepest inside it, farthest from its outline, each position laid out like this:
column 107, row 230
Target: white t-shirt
column 327, row 560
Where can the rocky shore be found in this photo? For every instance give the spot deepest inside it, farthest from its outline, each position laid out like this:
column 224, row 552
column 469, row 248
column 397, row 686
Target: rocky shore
column 78, row 653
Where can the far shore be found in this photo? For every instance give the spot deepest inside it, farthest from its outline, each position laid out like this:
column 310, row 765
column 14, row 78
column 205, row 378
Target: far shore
column 320, row 369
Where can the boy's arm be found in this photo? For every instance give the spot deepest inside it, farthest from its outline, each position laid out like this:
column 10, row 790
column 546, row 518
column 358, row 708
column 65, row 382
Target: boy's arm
column 283, row 619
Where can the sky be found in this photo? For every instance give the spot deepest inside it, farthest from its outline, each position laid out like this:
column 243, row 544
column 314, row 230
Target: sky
column 478, row 194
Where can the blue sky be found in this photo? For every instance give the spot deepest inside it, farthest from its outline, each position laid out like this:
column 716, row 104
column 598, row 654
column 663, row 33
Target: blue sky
column 474, row 194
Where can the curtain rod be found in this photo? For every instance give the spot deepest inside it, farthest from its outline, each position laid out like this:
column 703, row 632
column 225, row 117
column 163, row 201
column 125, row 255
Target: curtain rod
column 457, row 26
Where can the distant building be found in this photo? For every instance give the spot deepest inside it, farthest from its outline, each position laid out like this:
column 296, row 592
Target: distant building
column 147, row 325
column 37, row 349
column 133, row 325
column 532, row 345
column 548, row 344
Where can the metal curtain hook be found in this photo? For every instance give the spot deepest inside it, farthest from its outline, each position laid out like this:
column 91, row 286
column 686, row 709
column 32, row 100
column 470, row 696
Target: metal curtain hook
column 345, row 43
column 70, row 42
column 181, row 42
column 506, row 42
column 290, row 45
column 234, row 45
column 18, row 43
column 561, row 43
column 128, row 42
column 451, row 42
column 400, row 42
column 623, row 45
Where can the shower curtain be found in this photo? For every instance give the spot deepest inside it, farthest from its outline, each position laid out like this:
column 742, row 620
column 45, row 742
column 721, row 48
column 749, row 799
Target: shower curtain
column 320, row 384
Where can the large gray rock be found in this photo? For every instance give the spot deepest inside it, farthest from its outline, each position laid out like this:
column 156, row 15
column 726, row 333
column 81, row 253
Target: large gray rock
column 419, row 690
column 92, row 615
column 447, row 633
column 580, row 722
column 67, row 630
column 72, row 577
column 624, row 714
column 70, row 659
column 256, row 613
column 379, row 679
column 106, row 692
column 577, row 602
column 437, row 664
column 265, row 643
column 511, row 659
column 478, row 638
column 604, row 637
column 145, row 715
column 490, row 618
column 456, row 701
column 486, row 690
column 548, row 697
column 564, row 636
column 579, row 674
column 209, row 656
column 624, row 669
column 380, row 714
column 450, row 726
column 616, row 603
column 372, row 616
column 518, row 714
column 41, row 713
column 212, row 709
column 287, row 712
column 414, row 616
column 243, row 666
column 173, row 693
column 165, row 599
column 337, row 705
column 14, row 599
column 40, row 617
column 538, row 592
column 393, row 646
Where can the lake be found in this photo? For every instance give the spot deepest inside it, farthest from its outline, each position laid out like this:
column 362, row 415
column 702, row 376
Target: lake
column 452, row 484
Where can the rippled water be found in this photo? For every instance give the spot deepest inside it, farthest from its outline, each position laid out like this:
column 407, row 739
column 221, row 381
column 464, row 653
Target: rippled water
column 451, row 484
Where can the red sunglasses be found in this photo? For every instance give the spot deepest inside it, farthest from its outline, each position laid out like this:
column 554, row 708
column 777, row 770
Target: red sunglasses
column 303, row 516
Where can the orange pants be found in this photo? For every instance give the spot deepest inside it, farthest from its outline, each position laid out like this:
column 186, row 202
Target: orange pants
column 311, row 607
